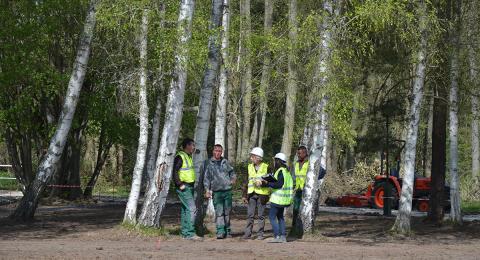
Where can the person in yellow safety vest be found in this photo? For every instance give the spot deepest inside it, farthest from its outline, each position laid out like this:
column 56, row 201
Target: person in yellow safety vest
column 184, row 178
column 255, row 196
column 281, row 197
column 299, row 174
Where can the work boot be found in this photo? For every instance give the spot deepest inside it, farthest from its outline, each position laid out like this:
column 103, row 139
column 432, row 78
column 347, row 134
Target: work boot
column 276, row 239
column 194, row 238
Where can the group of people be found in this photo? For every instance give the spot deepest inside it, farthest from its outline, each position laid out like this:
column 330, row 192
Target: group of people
column 280, row 187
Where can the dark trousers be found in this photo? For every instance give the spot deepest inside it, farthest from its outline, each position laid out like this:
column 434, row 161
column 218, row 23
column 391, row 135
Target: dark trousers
column 276, row 219
column 222, row 202
column 297, row 200
column 255, row 202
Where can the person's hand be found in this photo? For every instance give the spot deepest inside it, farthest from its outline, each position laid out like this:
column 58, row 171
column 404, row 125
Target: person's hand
column 208, row 194
column 182, row 187
column 245, row 200
column 258, row 183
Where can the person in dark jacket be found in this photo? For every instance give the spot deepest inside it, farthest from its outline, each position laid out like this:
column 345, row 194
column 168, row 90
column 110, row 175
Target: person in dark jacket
column 219, row 177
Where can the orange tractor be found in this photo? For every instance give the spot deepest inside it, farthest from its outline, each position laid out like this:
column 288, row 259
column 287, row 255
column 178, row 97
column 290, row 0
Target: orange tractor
column 374, row 196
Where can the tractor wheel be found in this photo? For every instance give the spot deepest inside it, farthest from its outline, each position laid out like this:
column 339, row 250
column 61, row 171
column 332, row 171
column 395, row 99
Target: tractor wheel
column 378, row 193
column 422, row 205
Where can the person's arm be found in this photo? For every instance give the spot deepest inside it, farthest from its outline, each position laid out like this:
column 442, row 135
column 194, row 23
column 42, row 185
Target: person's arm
column 177, row 164
column 277, row 184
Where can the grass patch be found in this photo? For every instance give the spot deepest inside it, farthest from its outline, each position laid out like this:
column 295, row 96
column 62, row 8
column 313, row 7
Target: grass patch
column 6, row 184
column 471, row 207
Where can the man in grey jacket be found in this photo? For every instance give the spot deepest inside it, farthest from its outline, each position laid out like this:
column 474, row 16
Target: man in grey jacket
column 218, row 181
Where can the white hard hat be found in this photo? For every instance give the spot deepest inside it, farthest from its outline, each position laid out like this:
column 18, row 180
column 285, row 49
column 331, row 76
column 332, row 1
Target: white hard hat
column 257, row 151
column 281, row 156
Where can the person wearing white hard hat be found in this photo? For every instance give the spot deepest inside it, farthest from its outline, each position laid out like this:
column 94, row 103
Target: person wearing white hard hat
column 254, row 195
column 281, row 197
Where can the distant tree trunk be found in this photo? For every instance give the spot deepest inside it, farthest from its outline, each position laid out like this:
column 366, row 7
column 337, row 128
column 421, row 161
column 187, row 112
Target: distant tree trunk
column 246, row 74
column 474, row 100
column 439, row 138
column 266, row 70
column 402, row 222
column 102, row 155
column 455, row 211
column 20, row 157
column 231, row 134
column 205, row 108
column 159, row 86
column 28, row 205
column 221, row 111
column 157, row 192
column 131, row 209
column 428, row 140
column 292, row 80
column 119, row 161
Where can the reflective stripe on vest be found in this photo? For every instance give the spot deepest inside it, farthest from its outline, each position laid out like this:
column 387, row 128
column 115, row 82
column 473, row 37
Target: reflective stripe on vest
column 300, row 175
column 284, row 195
column 187, row 172
column 255, row 175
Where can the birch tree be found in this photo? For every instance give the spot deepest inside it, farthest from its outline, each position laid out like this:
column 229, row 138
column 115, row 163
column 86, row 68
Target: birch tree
column 131, row 209
column 402, row 222
column 266, row 70
column 292, row 80
column 157, row 192
column 205, row 106
column 455, row 211
column 28, row 205
column 306, row 218
column 221, row 111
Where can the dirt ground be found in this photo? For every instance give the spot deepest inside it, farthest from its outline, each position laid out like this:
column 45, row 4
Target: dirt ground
column 88, row 232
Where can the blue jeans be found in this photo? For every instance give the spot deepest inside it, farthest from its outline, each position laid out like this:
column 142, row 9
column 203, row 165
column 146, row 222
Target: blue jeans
column 276, row 219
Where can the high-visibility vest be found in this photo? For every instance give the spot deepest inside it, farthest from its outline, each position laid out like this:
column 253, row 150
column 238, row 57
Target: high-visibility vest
column 187, row 172
column 300, row 175
column 254, row 175
column 284, row 195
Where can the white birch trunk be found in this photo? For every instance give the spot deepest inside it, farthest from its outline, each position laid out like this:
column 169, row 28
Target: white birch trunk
column 221, row 112
column 266, row 70
column 156, row 196
column 205, row 108
column 292, row 81
column 28, row 205
column 131, row 208
column 455, row 211
column 306, row 220
column 402, row 222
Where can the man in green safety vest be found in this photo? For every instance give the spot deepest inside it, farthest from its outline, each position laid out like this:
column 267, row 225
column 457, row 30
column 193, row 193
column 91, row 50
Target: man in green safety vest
column 281, row 197
column 184, row 177
column 254, row 195
column 299, row 174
